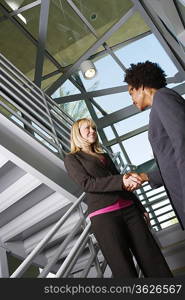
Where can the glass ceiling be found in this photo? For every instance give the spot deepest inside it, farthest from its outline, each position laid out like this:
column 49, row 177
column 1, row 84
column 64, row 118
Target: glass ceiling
column 67, row 36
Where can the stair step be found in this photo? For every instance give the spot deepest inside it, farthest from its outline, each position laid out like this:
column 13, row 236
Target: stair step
column 32, row 216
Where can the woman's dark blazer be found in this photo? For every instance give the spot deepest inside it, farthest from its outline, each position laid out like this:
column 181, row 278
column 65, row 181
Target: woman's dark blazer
column 103, row 184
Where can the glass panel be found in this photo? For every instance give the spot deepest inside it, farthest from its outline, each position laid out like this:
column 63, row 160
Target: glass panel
column 48, row 82
column 29, row 19
column 17, row 48
column 147, row 48
column 138, row 148
column 68, row 38
column 109, row 133
column 15, row 4
column 103, row 14
column 132, row 123
column 132, row 28
column 98, row 113
column 114, row 102
column 65, row 90
column 48, row 67
column 76, row 109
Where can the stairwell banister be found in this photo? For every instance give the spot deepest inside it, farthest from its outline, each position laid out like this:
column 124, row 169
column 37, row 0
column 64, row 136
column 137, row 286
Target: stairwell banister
column 83, row 238
column 61, row 248
column 29, row 259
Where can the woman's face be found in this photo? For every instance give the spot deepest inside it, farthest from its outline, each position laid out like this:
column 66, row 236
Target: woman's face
column 88, row 132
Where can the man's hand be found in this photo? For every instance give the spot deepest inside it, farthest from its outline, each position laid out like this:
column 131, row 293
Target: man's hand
column 140, row 176
column 130, row 182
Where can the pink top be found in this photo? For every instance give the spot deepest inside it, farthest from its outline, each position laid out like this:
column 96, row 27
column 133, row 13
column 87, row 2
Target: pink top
column 119, row 204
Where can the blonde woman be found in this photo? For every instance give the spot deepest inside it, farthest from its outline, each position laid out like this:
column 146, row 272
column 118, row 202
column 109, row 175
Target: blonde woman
column 118, row 219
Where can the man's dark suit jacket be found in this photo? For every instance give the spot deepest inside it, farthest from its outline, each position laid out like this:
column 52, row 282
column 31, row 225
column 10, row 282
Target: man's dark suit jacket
column 167, row 137
column 102, row 184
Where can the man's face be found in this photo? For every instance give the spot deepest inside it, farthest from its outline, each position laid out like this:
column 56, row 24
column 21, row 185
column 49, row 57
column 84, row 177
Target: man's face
column 138, row 97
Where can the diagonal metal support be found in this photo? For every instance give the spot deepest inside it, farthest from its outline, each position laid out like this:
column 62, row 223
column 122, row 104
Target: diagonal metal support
column 43, row 26
column 89, row 52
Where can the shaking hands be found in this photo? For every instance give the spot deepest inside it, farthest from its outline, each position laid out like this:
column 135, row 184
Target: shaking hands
column 132, row 180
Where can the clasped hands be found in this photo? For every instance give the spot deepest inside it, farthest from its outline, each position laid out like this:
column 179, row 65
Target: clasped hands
column 132, row 180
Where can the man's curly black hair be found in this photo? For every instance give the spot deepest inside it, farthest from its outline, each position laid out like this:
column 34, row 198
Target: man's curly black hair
column 145, row 74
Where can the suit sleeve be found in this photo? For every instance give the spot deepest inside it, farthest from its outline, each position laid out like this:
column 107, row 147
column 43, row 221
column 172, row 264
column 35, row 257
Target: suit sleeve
column 155, row 179
column 171, row 111
column 88, row 183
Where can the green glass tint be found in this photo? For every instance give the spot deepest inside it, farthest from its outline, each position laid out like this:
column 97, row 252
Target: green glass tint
column 76, row 109
column 48, row 67
column 103, row 14
column 15, row 4
column 17, row 48
column 67, row 89
column 49, row 81
column 130, row 29
column 29, row 19
column 68, row 38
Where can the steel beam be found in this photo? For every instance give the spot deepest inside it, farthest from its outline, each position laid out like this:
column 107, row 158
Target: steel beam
column 43, row 26
column 98, row 93
column 117, row 116
column 127, row 136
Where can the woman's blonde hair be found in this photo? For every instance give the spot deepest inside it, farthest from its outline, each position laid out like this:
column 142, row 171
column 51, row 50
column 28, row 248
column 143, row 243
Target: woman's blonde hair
column 77, row 141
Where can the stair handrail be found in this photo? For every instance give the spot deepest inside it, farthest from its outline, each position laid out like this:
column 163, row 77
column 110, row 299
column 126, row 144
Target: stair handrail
column 29, row 259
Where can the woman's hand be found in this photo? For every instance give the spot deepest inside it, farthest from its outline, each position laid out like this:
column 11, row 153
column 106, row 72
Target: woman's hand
column 147, row 218
column 131, row 181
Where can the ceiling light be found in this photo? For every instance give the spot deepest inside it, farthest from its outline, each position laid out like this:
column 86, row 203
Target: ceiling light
column 88, row 69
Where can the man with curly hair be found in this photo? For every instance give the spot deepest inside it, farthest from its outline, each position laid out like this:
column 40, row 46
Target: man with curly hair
column 147, row 87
